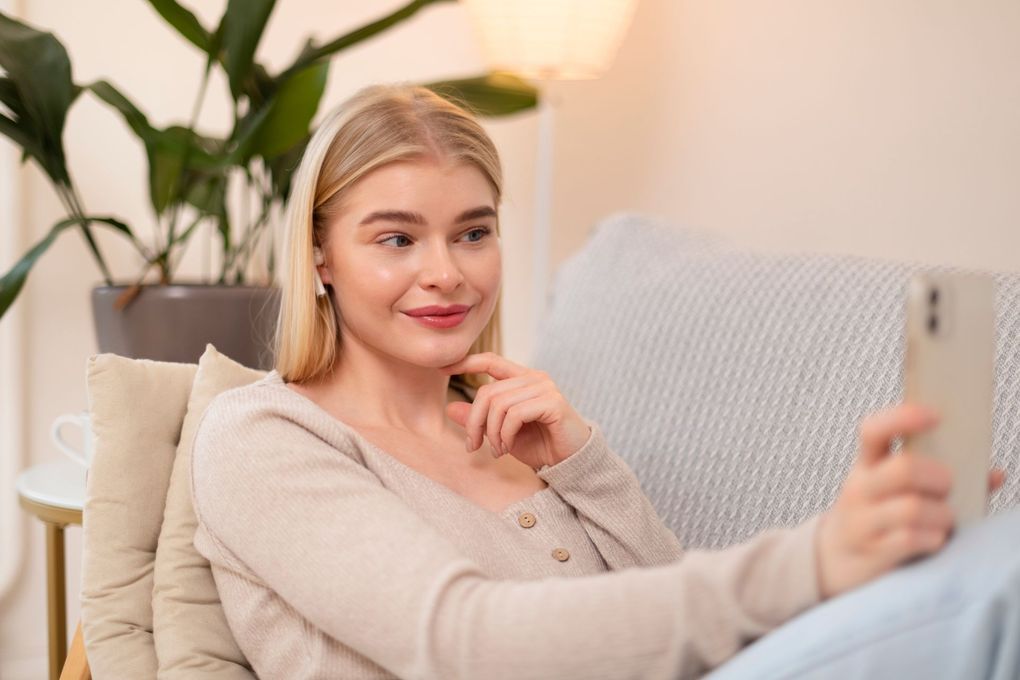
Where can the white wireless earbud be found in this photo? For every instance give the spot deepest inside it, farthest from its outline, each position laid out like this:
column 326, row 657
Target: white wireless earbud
column 319, row 259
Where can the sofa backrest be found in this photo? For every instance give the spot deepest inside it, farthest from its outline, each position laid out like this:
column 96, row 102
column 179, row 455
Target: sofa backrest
column 734, row 382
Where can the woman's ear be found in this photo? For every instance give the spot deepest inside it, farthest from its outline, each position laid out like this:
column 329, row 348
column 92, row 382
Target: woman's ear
column 320, row 264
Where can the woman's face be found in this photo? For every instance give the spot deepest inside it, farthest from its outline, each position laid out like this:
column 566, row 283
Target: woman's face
column 414, row 234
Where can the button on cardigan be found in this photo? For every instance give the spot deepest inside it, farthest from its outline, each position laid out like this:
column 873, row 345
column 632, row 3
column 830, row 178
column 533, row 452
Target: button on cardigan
column 335, row 560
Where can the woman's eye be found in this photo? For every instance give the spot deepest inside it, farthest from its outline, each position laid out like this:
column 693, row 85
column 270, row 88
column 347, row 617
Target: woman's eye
column 397, row 236
column 402, row 241
column 479, row 232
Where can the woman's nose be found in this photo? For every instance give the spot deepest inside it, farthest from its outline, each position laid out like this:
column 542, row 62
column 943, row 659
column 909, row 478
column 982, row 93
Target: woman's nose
column 440, row 270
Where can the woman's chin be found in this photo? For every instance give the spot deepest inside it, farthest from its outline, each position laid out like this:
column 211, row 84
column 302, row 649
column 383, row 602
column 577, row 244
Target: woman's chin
column 444, row 354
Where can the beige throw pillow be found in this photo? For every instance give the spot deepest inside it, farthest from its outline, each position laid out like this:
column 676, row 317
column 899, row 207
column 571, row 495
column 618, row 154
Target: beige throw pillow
column 137, row 407
column 192, row 637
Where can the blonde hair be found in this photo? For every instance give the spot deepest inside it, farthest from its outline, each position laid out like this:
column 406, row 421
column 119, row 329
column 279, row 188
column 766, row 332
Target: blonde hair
column 380, row 124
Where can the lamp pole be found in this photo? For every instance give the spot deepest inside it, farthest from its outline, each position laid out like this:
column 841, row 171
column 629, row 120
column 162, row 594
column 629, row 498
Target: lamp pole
column 542, row 232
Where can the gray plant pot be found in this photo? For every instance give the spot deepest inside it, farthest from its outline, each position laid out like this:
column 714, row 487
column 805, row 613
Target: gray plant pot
column 174, row 323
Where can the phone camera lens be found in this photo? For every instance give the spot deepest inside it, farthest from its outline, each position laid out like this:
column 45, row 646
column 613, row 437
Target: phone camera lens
column 933, row 323
column 934, row 296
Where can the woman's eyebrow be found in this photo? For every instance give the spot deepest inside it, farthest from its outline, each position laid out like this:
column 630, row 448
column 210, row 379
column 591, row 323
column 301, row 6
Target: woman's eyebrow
column 476, row 213
column 417, row 218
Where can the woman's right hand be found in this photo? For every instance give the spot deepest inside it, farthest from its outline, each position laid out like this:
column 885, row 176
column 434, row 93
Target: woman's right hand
column 890, row 509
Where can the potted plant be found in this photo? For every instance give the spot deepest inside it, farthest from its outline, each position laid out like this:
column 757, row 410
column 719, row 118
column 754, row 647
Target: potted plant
column 190, row 172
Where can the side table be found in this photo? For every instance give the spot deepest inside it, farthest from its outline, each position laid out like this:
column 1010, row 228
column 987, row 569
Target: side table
column 55, row 493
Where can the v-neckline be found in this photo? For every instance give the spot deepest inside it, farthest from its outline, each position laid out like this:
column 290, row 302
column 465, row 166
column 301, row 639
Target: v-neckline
column 503, row 514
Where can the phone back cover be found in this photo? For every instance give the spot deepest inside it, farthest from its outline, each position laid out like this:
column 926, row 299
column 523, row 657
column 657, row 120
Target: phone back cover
column 952, row 370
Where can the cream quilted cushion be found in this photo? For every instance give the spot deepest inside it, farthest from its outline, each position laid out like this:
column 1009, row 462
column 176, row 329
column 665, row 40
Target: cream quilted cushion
column 191, row 633
column 137, row 407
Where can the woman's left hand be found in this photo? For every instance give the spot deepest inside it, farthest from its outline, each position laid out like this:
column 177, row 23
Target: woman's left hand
column 521, row 412
column 891, row 508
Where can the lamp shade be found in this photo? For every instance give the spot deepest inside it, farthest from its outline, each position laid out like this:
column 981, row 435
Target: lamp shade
column 551, row 39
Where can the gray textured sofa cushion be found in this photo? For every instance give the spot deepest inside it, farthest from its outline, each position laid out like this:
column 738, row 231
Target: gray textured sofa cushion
column 733, row 382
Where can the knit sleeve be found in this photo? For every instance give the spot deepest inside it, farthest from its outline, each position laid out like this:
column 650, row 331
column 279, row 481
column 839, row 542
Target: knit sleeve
column 615, row 512
column 320, row 530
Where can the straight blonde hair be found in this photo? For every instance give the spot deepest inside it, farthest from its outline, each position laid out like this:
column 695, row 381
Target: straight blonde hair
column 380, row 124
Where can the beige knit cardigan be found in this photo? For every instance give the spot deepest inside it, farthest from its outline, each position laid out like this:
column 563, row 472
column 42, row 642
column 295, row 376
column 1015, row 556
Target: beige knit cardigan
column 335, row 560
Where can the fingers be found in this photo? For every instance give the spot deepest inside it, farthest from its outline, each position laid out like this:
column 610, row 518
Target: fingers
column 911, row 511
column 481, row 419
column 908, row 472
column 525, row 412
column 459, row 412
column 903, row 543
column 499, row 408
column 891, row 508
column 879, row 429
column 487, row 362
column 996, row 478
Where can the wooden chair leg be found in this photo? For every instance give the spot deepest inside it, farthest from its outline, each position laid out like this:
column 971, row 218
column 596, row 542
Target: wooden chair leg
column 56, row 598
column 77, row 665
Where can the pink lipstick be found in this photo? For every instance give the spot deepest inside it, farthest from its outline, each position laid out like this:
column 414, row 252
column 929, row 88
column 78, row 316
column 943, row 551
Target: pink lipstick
column 435, row 316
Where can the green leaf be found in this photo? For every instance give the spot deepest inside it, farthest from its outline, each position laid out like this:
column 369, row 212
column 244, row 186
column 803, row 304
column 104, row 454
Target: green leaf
column 223, row 228
column 185, row 22
column 178, row 157
column 115, row 223
column 14, row 280
column 261, row 85
column 24, row 138
column 11, row 98
column 169, row 177
column 494, row 94
column 208, row 194
column 18, row 127
column 166, row 163
column 214, row 48
column 241, row 29
column 135, row 119
column 312, row 54
column 39, row 91
column 282, row 168
column 164, row 156
column 294, row 95
column 186, row 234
column 288, row 113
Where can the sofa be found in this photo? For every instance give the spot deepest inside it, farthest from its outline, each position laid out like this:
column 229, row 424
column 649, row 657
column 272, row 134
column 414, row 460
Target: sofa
column 733, row 383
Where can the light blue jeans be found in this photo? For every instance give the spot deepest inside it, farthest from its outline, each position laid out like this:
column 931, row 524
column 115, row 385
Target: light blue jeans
column 954, row 615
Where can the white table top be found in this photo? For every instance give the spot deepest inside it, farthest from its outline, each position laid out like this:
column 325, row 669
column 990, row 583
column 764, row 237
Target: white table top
column 60, row 483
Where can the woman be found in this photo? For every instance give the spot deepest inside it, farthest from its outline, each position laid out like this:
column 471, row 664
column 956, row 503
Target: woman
column 397, row 499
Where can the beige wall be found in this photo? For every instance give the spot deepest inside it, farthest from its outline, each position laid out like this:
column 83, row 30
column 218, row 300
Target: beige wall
column 889, row 129
column 876, row 128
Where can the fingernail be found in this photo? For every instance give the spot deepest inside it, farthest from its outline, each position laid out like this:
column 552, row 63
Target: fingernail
column 467, row 443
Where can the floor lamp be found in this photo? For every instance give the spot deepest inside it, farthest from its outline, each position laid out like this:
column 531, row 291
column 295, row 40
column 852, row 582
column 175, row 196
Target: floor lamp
column 546, row 40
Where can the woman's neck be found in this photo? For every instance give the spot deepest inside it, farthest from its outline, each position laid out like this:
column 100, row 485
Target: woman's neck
column 375, row 392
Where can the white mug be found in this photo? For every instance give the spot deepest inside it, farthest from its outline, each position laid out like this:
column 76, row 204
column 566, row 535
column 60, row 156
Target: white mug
column 82, row 420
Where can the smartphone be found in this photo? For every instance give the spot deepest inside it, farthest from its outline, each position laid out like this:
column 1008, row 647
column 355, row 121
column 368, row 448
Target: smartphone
column 950, row 366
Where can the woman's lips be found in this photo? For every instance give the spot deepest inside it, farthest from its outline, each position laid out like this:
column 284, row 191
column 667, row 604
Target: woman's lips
column 441, row 320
